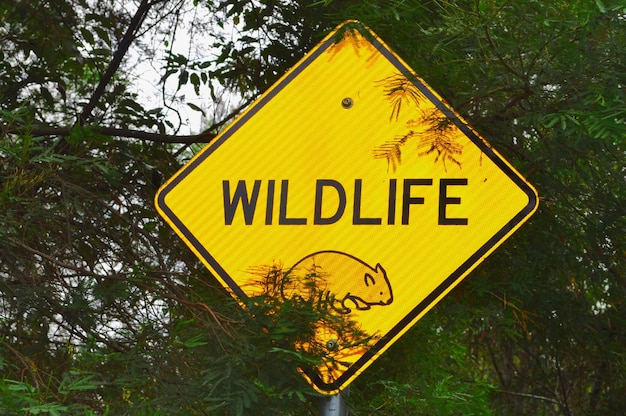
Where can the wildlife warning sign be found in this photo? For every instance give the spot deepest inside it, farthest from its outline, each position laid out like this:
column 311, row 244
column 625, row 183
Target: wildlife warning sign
column 352, row 186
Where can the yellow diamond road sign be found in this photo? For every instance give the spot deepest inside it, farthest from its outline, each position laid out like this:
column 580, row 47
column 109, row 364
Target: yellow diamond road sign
column 357, row 182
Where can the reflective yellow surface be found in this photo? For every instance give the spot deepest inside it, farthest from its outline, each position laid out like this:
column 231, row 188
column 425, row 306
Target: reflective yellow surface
column 352, row 167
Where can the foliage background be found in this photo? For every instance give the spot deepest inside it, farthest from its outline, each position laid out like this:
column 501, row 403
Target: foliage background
column 104, row 311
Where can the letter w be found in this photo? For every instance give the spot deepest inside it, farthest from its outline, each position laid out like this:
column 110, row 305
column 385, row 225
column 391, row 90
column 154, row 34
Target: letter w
column 241, row 195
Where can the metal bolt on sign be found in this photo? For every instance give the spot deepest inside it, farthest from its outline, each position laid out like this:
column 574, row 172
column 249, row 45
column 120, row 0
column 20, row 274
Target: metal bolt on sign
column 347, row 103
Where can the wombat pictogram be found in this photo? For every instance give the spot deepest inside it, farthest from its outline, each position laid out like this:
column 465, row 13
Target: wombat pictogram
column 338, row 280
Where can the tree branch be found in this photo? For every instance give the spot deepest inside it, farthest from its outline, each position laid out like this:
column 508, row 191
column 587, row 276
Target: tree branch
column 43, row 130
column 81, row 270
column 532, row 396
column 114, row 65
column 38, row 130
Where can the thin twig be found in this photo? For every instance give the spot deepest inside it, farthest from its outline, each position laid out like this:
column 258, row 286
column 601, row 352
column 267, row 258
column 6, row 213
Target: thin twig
column 27, row 366
column 532, row 396
column 119, row 54
column 43, row 130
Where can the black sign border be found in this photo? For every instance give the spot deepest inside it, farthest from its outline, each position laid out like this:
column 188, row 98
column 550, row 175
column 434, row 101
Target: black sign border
column 498, row 237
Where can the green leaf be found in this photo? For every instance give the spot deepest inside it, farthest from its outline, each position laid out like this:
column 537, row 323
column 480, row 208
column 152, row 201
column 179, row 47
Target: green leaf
column 103, row 34
column 81, row 383
column 87, row 35
column 48, row 408
column 195, row 81
column 45, row 92
column 196, row 108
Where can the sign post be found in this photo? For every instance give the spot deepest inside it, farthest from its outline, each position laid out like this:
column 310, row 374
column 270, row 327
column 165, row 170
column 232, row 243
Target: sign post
column 355, row 180
column 334, row 405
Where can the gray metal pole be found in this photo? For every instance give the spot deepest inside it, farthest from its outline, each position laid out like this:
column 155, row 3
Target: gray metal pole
column 334, row 405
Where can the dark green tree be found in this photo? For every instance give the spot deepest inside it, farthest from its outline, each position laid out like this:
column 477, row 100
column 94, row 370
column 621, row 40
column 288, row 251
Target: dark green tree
column 540, row 322
column 102, row 309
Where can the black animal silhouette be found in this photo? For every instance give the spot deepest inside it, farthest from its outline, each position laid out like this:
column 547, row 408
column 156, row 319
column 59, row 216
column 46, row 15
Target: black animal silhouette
column 338, row 280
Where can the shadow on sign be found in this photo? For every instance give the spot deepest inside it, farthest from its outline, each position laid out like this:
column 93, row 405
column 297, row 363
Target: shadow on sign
column 436, row 132
column 318, row 295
